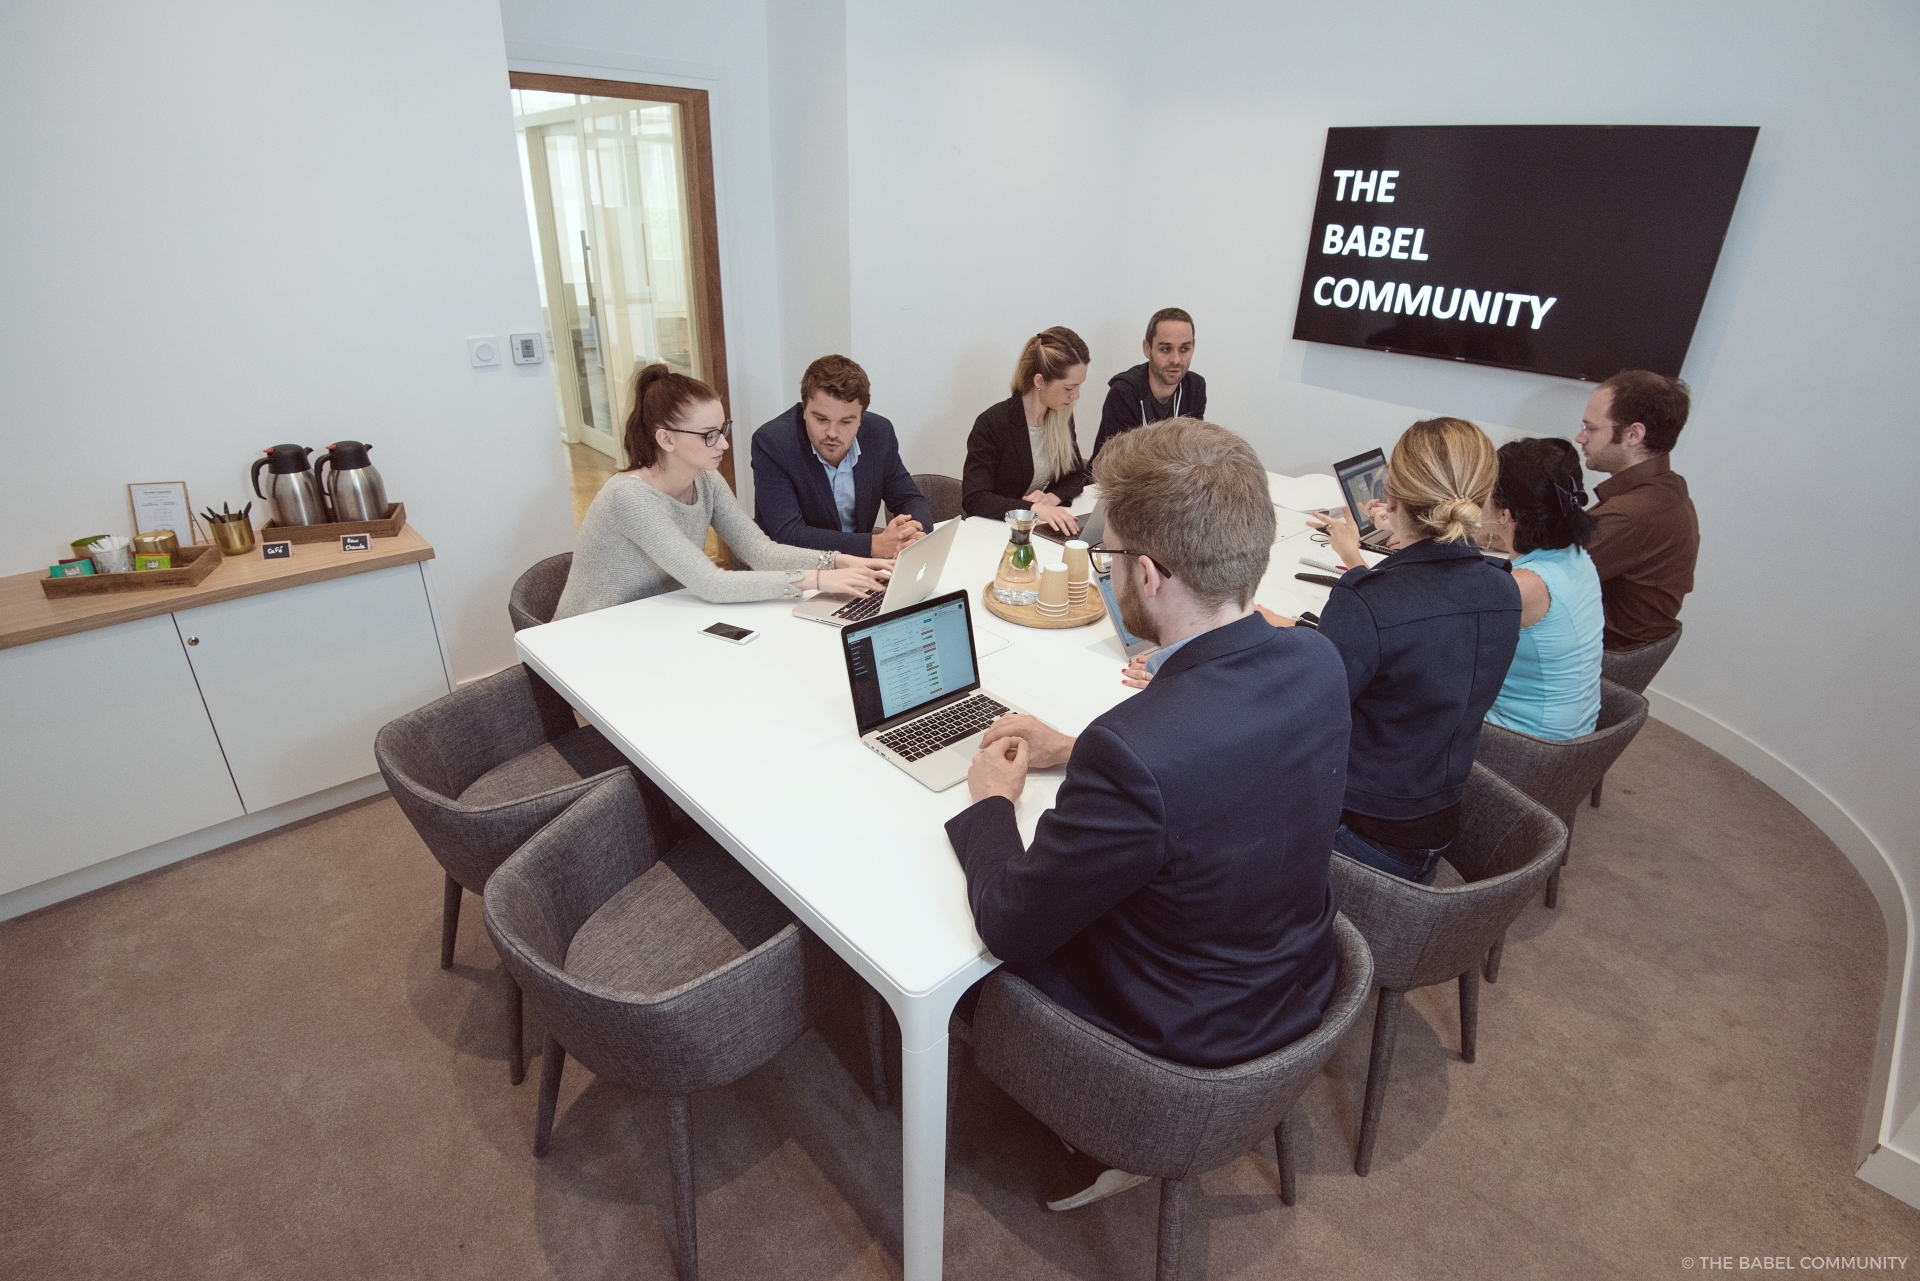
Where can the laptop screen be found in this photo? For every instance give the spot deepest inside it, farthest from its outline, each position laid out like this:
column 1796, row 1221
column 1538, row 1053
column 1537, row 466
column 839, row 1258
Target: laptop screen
column 1363, row 479
column 901, row 662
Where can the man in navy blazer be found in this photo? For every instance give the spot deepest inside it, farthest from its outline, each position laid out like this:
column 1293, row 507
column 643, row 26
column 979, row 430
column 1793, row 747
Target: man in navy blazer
column 1177, row 894
column 822, row 469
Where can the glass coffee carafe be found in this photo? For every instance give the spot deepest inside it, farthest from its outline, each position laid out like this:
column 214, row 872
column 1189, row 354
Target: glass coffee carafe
column 1018, row 581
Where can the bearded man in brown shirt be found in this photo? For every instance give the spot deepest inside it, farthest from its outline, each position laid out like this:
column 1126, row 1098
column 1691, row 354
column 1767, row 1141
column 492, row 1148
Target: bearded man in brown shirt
column 1647, row 535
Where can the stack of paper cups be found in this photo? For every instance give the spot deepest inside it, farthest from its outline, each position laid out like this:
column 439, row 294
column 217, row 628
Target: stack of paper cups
column 1053, row 591
column 1079, row 572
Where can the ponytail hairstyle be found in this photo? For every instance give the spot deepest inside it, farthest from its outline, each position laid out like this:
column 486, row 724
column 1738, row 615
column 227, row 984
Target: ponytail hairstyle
column 1049, row 354
column 1540, row 485
column 661, row 398
column 1443, row 471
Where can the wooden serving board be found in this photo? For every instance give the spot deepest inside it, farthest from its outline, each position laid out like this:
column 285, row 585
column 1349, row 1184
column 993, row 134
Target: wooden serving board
column 1030, row 615
column 388, row 528
column 197, row 561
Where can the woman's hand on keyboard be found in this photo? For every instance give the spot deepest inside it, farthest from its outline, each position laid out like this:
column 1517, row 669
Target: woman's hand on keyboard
column 863, row 576
column 1048, row 746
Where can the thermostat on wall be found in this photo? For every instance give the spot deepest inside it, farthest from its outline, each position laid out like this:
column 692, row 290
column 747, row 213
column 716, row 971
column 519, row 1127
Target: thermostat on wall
column 527, row 349
column 483, row 351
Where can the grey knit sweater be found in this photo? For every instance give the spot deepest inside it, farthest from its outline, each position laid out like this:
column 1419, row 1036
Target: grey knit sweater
column 638, row 542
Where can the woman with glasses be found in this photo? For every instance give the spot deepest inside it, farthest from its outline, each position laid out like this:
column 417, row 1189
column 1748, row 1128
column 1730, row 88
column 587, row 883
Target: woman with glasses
column 646, row 532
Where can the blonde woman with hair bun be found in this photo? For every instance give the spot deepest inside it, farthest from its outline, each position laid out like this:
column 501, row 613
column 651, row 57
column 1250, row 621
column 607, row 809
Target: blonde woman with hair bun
column 1023, row 452
column 1427, row 636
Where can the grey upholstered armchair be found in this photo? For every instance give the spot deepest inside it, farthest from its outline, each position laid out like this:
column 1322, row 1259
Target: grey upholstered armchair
column 1560, row 773
column 1420, row 935
column 536, row 593
column 1635, row 669
column 669, row 973
column 481, row 770
column 1147, row 1115
column 941, row 492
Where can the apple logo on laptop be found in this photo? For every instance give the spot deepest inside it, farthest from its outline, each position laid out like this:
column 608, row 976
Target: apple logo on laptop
column 922, row 574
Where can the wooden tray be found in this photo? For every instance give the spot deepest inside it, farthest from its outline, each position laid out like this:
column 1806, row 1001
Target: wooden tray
column 1030, row 615
column 388, row 528
column 199, row 560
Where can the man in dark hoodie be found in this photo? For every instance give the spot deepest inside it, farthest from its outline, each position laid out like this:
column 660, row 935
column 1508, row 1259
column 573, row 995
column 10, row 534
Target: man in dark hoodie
column 1162, row 387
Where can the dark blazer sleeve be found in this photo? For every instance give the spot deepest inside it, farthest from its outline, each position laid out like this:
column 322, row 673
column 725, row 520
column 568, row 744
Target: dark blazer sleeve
column 897, row 490
column 1103, row 839
column 1120, row 414
column 1348, row 623
column 989, row 473
column 777, row 477
column 1197, row 409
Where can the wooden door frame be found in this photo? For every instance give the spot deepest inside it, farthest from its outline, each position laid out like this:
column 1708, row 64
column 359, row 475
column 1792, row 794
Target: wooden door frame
column 703, row 227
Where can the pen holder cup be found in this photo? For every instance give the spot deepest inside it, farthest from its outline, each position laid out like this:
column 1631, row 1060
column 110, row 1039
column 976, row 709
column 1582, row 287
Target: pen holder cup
column 234, row 537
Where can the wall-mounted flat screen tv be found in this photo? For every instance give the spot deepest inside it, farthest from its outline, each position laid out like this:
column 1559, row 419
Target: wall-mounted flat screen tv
column 1576, row 250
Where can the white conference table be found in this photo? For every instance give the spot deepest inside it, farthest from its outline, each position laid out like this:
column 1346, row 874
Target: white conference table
column 757, row 743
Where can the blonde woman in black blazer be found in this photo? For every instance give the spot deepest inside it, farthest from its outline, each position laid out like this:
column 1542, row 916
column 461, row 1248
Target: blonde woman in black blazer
column 1023, row 452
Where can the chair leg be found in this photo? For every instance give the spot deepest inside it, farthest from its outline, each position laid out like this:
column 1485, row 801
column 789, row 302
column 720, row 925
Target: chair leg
column 1283, row 1156
column 1173, row 1224
column 552, row 1062
column 680, row 1158
column 449, row 921
column 877, row 1046
column 1593, row 802
column 517, row 1069
column 1386, row 1025
column 1469, row 1010
column 1494, row 954
column 1553, row 889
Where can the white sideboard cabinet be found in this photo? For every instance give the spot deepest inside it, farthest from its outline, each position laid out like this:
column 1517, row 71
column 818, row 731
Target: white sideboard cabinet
column 135, row 720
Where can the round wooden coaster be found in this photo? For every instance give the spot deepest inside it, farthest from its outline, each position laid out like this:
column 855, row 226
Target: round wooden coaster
column 1030, row 615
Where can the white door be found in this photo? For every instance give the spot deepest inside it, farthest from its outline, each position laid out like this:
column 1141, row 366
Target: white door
column 299, row 681
column 107, row 749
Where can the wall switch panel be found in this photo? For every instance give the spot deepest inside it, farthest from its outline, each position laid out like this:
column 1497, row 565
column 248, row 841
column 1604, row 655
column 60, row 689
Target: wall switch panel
column 527, row 349
column 483, row 351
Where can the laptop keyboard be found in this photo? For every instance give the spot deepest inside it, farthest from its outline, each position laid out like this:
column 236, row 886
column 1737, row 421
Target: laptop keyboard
column 949, row 725
column 861, row 607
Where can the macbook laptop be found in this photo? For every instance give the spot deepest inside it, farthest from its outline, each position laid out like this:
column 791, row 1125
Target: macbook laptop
column 916, row 688
column 1131, row 646
column 1092, row 526
column 1363, row 479
column 916, row 572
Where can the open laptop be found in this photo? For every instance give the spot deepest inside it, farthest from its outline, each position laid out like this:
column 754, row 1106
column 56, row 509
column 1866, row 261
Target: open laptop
column 1092, row 526
column 1363, row 479
column 916, row 571
column 1131, row 646
column 916, row 688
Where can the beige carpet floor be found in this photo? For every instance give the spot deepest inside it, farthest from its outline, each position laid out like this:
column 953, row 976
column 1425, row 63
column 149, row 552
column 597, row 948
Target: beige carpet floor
column 250, row 1065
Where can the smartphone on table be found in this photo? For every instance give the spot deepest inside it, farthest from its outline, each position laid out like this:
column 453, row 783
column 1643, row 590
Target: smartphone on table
column 728, row 632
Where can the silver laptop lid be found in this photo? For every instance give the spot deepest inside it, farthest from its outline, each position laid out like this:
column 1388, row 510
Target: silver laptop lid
column 899, row 663
column 1363, row 479
column 916, row 571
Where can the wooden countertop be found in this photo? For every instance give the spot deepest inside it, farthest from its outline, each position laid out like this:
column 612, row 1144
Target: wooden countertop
column 26, row 615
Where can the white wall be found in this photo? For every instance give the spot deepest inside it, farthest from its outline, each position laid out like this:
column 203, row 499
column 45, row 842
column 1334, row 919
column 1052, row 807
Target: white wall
column 233, row 225
column 1139, row 156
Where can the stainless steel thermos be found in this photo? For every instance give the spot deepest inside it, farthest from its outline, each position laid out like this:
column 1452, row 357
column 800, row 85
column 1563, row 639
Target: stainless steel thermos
column 354, row 487
column 290, row 486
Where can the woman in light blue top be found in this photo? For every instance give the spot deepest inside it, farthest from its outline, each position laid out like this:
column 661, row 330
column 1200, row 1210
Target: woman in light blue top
column 1552, row 689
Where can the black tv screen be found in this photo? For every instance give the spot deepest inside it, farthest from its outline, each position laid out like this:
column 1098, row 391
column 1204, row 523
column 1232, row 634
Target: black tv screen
column 1576, row 250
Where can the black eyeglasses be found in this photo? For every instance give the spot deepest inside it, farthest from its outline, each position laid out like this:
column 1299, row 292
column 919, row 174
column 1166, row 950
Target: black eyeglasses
column 1103, row 556
column 707, row 438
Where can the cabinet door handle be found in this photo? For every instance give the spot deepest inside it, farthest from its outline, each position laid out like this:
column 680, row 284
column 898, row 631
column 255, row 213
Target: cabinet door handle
column 193, row 640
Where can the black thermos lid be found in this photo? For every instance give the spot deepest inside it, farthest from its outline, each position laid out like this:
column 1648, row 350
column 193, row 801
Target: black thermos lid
column 287, row 458
column 348, row 454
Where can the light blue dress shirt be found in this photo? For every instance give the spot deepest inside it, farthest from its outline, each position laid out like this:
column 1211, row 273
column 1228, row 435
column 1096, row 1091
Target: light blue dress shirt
column 1159, row 656
column 840, row 480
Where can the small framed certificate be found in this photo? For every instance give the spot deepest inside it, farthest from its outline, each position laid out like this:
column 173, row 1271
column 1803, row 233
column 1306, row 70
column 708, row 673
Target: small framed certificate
column 163, row 504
